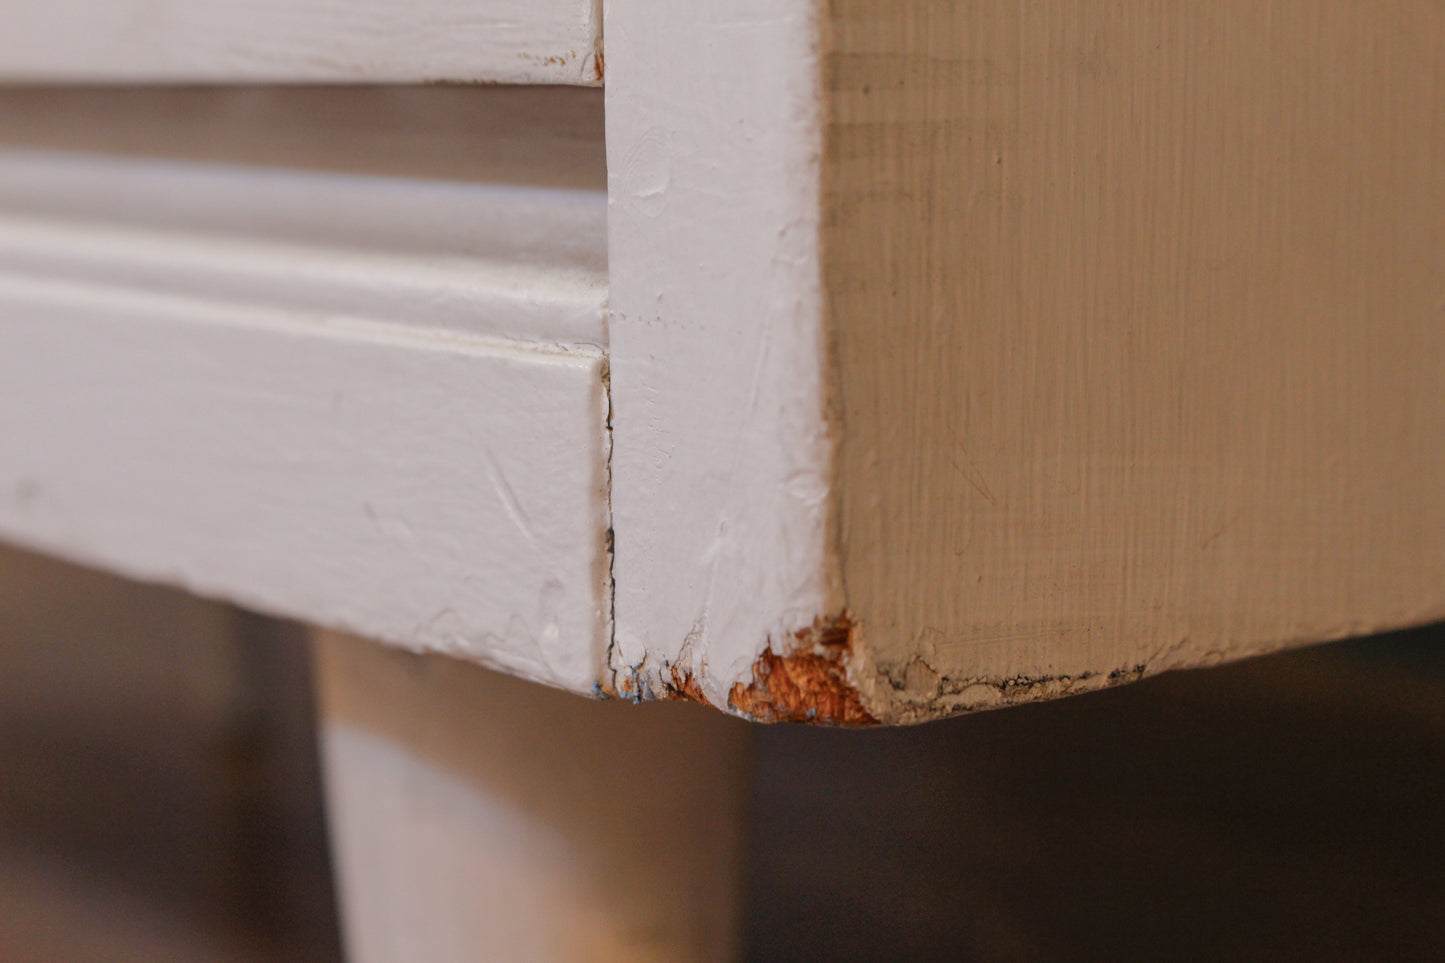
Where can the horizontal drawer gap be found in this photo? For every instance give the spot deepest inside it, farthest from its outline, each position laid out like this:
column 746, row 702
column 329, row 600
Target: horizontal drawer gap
column 537, row 136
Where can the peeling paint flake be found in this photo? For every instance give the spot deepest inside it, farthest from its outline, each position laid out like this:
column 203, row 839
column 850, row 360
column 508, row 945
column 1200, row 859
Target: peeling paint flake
column 807, row 684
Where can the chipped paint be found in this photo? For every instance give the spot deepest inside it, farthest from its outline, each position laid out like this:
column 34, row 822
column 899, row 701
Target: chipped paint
column 636, row 685
column 807, row 683
column 720, row 483
column 682, row 684
column 908, row 703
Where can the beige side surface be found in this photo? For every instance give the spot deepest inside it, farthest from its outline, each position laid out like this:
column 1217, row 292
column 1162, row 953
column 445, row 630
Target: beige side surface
column 1138, row 321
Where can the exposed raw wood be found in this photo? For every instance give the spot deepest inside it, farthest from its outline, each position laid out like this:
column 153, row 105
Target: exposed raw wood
column 173, row 41
column 476, row 817
column 1132, row 328
column 809, row 683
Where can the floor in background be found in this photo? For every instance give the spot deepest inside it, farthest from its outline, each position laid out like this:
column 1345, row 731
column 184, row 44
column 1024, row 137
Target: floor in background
column 159, row 801
column 1287, row 808
column 159, row 793
column 55, row 911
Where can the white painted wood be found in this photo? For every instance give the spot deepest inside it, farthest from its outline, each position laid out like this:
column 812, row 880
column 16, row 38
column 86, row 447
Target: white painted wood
column 474, row 817
column 503, row 299
column 721, row 455
column 371, row 398
column 479, row 209
column 555, row 228
column 498, row 41
column 435, row 490
column 970, row 353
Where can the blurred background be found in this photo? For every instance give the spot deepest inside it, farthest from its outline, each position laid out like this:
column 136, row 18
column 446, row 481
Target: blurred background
column 159, row 785
column 160, row 800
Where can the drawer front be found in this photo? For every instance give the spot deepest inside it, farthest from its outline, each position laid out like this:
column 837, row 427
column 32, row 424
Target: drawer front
column 356, row 379
column 495, row 41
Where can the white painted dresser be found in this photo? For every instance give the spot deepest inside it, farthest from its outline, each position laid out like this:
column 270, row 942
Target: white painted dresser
column 853, row 362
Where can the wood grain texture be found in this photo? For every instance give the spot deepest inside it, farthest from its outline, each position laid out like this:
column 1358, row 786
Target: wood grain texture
column 1138, row 320
column 1110, row 342
column 171, row 41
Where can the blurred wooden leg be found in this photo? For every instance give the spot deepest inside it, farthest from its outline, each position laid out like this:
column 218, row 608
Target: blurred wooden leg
column 478, row 817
